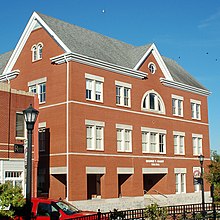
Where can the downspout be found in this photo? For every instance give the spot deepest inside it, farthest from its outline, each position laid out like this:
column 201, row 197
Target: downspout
column 67, row 128
column 9, row 117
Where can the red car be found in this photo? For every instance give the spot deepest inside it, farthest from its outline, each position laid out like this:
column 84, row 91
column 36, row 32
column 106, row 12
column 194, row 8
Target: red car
column 45, row 209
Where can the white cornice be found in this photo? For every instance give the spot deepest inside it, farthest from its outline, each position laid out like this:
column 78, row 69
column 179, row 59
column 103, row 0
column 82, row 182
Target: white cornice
column 97, row 63
column 9, row 76
column 181, row 86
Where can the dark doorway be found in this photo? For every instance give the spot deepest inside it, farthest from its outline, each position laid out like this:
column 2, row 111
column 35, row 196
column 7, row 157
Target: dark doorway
column 121, row 180
column 93, row 185
column 150, row 180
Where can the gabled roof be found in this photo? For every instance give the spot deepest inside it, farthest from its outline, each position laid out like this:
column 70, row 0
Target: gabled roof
column 96, row 46
column 4, row 60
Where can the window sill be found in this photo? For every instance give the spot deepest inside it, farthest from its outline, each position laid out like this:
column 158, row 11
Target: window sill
column 20, row 138
column 34, row 61
column 152, row 111
column 125, row 106
column 40, row 103
column 99, row 150
column 91, row 100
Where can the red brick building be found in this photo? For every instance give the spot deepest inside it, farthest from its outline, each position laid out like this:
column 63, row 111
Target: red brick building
column 13, row 137
column 115, row 120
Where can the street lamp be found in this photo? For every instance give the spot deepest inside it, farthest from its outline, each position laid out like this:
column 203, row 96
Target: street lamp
column 201, row 160
column 30, row 117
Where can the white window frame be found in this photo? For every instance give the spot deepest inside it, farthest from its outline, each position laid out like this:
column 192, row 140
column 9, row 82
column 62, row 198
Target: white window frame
column 125, row 137
column 24, row 126
column 195, row 109
column 123, row 99
column 96, row 91
column 96, row 137
column 13, row 175
column 177, row 105
column 37, row 51
column 178, row 136
column 152, row 67
column 157, row 99
column 197, row 140
column 180, row 180
column 147, row 140
column 35, row 87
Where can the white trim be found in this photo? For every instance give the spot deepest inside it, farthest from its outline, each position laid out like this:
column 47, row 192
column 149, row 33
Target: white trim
column 98, row 63
column 123, row 84
column 95, row 170
column 195, row 101
column 180, row 170
column 154, row 170
column 177, row 97
column 94, row 77
column 181, row 86
column 125, row 170
column 122, row 155
column 161, row 131
column 124, row 110
column 58, row 170
column 153, row 49
column 9, row 76
column 35, row 18
column 197, row 135
column 97, row 123
column 179, row 133
column 37, row 81
column 123, row 126
column 42, row 124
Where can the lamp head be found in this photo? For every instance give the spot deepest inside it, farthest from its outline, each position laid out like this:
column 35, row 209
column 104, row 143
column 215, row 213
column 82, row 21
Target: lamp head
column 201, row 158
column 30, row 116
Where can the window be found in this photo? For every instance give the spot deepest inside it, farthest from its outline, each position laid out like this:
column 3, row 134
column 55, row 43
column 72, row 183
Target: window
column 179, row 145
column 153, row 140
column 196, row 109
column 123, row 94
column 39, row 87
column 42, row 139
column 20, row 125
column 124, row 138
column 94, row 135
column 94, row 87
column 197, row 144
column 14, row 177
column 42, row 92
column 37, row 51
column 153, row 102
column 180, row 177
column 152, row 67
column 177, row 105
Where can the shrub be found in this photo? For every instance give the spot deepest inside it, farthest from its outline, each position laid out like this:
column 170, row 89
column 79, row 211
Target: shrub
column 153, row 212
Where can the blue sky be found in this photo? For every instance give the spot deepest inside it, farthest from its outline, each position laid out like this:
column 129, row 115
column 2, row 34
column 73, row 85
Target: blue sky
column 187, row 31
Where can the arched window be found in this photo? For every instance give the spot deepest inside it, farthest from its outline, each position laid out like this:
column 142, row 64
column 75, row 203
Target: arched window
column 152, row 101
column 34, row 52
column 39, row 50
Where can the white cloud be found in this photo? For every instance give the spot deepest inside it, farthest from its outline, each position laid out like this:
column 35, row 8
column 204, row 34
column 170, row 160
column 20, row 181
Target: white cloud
column 210, row 20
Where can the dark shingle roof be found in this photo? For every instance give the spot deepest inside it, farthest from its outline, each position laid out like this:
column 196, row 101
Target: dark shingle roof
column 181, row 75
column 92, row 44
column 4, row 59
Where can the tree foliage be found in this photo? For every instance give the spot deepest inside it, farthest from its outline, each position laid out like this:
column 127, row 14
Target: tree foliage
column 213, row 176
column 10, row 197
column 153, row 212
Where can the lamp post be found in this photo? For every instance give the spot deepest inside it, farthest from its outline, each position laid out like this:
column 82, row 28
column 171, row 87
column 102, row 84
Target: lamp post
column 30, row 116
column 201, row 160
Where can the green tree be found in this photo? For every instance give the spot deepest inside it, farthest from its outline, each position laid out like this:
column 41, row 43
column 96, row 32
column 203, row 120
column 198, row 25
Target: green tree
column 10, row 199
column 213, row 176
column 154, row 212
